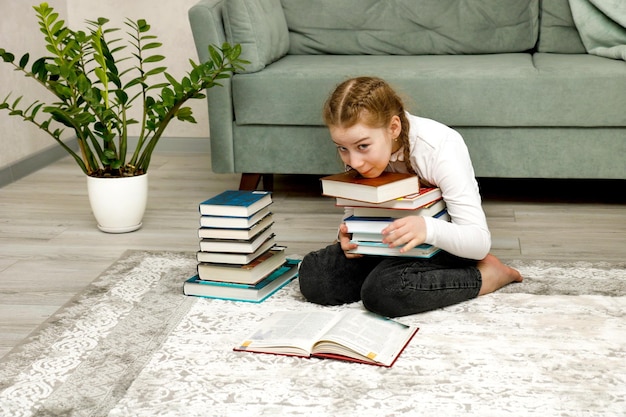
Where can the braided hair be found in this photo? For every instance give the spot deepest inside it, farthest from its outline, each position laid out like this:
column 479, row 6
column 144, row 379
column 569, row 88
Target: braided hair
column 369, row 100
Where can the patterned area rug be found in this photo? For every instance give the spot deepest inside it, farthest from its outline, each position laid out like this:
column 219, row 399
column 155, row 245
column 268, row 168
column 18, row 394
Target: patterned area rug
column 133, row 345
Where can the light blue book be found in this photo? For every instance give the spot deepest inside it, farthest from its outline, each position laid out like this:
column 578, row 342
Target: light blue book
column 383, row 249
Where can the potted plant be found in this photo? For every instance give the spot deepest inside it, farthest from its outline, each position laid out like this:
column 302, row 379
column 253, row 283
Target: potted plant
column 96, row 77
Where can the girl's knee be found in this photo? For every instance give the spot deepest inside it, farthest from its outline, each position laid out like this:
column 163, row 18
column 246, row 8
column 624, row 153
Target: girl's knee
column 327, row 278
column 393, row 299
column 309, row 280
column 378, row 299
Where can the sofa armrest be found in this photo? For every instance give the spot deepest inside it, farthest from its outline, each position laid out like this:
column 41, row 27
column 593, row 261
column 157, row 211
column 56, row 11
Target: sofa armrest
column 207, row 27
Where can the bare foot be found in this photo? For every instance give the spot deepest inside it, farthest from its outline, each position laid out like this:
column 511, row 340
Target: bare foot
column 496, row 275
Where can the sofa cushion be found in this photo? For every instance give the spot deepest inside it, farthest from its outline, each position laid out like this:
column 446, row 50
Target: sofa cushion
column 557, row 32
column 500, row 90
column 411, row 27
column 602, row 26
column 261, row 29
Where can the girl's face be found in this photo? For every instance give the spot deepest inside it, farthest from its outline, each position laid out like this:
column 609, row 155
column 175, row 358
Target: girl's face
column 367, row 149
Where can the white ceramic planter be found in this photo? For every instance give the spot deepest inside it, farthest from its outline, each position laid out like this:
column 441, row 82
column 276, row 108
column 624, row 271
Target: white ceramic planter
column 118, row 204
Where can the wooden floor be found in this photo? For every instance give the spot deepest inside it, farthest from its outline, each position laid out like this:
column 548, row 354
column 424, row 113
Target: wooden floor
column 51, row 248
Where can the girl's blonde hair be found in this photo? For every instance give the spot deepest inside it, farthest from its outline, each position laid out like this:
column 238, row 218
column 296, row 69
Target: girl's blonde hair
column 371, row 101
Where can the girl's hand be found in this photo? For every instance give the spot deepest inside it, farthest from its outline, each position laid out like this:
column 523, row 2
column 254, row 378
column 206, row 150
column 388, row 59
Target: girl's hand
column 344, row 240
column 408, row 232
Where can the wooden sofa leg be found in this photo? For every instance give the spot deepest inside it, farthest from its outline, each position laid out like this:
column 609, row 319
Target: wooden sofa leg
column 251, row 181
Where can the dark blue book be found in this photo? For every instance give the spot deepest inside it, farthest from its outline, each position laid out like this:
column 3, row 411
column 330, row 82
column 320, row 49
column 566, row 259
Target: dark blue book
column 241, row 292
column 236, row 203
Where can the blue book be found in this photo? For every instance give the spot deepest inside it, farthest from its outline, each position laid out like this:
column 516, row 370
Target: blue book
column 236, row 203
column 241, row 292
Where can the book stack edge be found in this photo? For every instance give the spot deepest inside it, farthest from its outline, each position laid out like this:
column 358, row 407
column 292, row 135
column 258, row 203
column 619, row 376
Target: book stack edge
column 371, row 214
column 238, row 258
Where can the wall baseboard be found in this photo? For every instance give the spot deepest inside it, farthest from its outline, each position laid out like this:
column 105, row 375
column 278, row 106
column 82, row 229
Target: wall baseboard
column 34, row 162
column 45, row 157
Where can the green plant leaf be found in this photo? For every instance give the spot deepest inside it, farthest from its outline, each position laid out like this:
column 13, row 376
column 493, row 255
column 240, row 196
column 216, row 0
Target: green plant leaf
column 8, row 57
column 167, row 94
column 115, row 80
column 185, row 114
column 51, row 18
column 155, row 71
column 172, row 81
column 24, row 60
column 39, row 68
column 84, row 118
column 51, row 49
column 133, row 82
column 195, row 75
column 110, row 154
column 101, row 74
column 151, row 45
column 154, row 58
column 142, row 25
column 83, row 84
column 36, row 110
column 57, row 27
column 82, row 68
column 121, row 95
column 59, row 116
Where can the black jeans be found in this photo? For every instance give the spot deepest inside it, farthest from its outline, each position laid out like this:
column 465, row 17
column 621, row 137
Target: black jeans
column 390, row 286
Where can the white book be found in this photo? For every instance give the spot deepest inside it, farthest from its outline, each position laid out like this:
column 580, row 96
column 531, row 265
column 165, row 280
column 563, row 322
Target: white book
column 233, row 257
column 382, row 249
column 233, row 221
column 238, row 246
column 428, row 210
column 412, row 201
column 230, row 233
column 377, row 224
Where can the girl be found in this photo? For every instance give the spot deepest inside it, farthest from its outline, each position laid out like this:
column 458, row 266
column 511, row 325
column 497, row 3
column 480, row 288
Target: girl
column 373, row 133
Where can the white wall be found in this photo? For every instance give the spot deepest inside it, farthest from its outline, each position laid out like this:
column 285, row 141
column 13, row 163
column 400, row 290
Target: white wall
column 19, row 33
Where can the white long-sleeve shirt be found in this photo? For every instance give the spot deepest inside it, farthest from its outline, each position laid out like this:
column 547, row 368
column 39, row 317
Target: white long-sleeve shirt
column 440, row 157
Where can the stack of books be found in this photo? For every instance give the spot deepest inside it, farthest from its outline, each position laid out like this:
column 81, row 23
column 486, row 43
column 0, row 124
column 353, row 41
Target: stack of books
column 238, row 258
column 377, row 202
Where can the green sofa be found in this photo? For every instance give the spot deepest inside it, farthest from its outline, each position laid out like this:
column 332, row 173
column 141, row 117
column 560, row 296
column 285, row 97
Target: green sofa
column 512, row 76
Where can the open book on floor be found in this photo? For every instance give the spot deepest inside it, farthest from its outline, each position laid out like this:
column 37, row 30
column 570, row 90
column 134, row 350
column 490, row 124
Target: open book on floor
column 356, row 336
